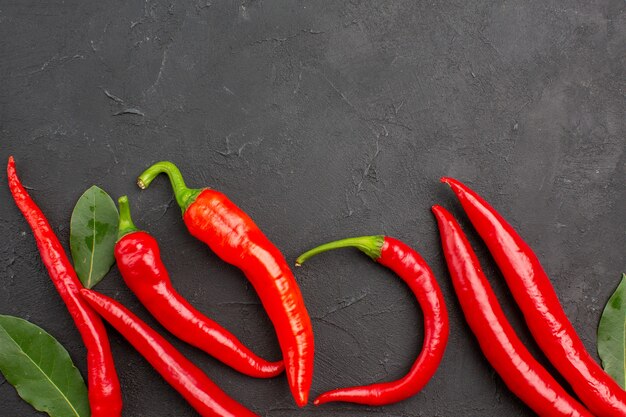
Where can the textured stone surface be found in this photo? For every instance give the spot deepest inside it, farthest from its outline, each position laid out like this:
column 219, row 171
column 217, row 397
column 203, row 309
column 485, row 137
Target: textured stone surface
column 322, row 120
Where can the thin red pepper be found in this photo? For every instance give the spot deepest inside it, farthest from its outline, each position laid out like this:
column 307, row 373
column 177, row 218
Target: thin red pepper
column 540, row 305
column 414, row 271
column 105, row 398
column 215, row 220
column 139, row 261
column 194, row 385
column 524, row 376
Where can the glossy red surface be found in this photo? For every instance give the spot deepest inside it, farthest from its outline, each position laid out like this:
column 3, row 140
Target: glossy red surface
column 235, row 238
column 524, row 376
column 105, row 398
column 139, row 261
column 533, row 292
column 202, row 394
column 414, row 271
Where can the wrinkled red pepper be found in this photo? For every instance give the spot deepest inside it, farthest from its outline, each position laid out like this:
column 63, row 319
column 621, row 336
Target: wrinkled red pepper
column 215, row 220
column 524, row 376
column 415, row 272
column 139, row 261
column 105, row 397
column 535, row 296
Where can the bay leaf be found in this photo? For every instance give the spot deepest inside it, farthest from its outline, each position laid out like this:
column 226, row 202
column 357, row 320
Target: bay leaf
column 612, row 335
column 41, row 370
column 93, row 232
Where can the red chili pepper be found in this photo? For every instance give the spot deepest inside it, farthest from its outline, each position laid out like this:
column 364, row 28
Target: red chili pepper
column 215, row 220
column 540, row 305
column 139, row 261
column 185, row 377
column 105, row 398
column 524, row 376
column 414, row 271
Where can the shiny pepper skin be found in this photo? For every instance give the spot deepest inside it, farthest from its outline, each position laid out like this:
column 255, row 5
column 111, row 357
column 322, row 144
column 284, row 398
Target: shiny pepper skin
column 524, row 376
column 414, row 271
column 105, row 397
column 234, row 237
column 536, row 298
column 215, row 220
column 139, row 260
column 185, row 377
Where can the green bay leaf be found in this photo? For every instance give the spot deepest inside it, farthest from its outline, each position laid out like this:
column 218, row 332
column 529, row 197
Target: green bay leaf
column 612, row 335
column 41, row 370
column 93, row 232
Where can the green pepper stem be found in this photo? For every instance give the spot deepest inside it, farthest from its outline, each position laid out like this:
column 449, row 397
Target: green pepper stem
column 126, row 224
column 184, row 196
column 370, row 245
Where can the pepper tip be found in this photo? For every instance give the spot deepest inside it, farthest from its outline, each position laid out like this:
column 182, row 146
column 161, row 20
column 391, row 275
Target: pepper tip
column 302, row 398
column 11, row 164
column 324, row 398
column 141, row 184
column 436, row 209
column 455, row 184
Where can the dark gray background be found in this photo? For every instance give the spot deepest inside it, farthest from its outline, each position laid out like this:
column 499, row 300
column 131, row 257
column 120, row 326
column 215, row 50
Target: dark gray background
column 322, row 120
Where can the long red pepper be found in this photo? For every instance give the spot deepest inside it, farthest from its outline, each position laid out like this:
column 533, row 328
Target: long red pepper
column 540, row 305
column 414, row 271
column 215, row 220
column 105, row 398
column 185, row 377
column 139, row 261
column 524, row 376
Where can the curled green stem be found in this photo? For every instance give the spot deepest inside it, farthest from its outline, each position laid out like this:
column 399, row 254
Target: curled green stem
column 184, row 196
column 126, row 224
column 370, row 245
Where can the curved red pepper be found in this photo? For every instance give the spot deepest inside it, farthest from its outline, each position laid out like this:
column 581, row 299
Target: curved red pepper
column 540, row 305
column 139, row 261
column 414, row 271
column 524, row 376
column 215, row 220
column 185, row 377
column 105, row 397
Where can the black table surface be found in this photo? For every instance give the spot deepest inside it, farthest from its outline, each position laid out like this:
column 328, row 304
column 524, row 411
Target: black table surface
column 322, row 120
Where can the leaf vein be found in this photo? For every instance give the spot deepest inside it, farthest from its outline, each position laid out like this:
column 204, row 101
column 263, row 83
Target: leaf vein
column 93, row 244
column 21, row 351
